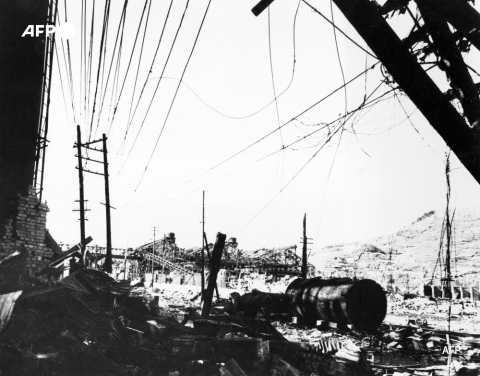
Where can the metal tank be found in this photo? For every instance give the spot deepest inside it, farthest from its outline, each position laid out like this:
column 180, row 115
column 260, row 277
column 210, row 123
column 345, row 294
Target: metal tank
column 362, row 303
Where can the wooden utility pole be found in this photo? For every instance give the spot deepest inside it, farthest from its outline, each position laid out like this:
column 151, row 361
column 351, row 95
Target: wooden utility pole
column 125, row 265
column 108, row 260
column 80, row 181
column 153, row 252
column 107, row 266
column 214, row 268
column 304, row 253
column 206, row 246
column 203, row 245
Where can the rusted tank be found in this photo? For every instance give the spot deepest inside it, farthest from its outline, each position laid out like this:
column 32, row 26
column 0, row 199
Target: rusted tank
column 362, row 303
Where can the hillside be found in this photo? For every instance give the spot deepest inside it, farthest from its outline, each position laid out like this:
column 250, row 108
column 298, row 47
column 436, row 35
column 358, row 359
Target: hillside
column 413, row 251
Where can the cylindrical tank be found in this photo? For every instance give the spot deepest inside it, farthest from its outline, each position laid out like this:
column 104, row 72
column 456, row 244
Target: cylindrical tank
column 362, row 303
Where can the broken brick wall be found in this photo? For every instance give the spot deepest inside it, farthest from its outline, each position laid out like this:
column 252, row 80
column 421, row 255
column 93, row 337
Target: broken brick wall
column 25, row 231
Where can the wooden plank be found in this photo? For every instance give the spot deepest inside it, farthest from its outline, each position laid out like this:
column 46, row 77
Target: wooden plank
column 70, row 252
column 214, row 268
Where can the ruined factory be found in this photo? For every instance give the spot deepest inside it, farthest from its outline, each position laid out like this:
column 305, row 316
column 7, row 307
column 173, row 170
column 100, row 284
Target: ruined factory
column 159, row 161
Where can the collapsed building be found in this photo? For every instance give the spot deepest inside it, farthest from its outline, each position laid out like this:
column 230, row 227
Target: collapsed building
column 88, row 322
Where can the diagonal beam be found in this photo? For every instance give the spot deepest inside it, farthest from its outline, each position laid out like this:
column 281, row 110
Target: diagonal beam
column 424, row 93
column 452, row 61
column 463, row 17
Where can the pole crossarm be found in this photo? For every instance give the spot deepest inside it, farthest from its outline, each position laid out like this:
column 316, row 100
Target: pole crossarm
column 91, row 172
column 90, row 159
column 92, row 142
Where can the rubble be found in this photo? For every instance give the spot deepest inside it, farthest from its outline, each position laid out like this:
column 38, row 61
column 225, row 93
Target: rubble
column 89, row 323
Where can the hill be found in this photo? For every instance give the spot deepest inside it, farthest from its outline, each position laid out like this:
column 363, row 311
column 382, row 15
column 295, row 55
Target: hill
column 409, row 256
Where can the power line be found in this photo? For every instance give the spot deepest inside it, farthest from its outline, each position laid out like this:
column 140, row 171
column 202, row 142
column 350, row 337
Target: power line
column 72, row 99
column 153, row 96
column 363, row 106
column 129, row 63
column 175, row 95
column 338, row 146
column 272, row 75
column 270, row 102
column 336, row 27
column 272, row 132
column 148, row 75
column 138, row 64
column 411, row 123
column 111, row 62
column 106, row 22
column 116, row 75
column 288, row 183
column 282, row 156
column 84, row 63
column 106, row 16
column 338, row 53
column 69, row 68
column 63, row 92
column 81, row 57
column 241, row 117
column 136, row 79
column 256, row 161
column 334, row 158
column 207, row 104
column 331, row 135
column 90, row 57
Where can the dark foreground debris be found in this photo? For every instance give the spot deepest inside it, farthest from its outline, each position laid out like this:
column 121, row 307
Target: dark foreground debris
column 90, row 324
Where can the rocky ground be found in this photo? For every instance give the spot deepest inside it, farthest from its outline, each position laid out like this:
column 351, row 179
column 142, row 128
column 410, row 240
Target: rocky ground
column 410, row 255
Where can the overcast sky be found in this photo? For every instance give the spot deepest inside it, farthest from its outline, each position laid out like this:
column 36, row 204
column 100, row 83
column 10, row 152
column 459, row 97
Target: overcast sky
column 385, row 169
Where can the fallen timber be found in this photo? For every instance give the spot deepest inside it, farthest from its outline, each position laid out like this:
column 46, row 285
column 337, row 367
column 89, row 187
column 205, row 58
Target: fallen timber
column 362, row 304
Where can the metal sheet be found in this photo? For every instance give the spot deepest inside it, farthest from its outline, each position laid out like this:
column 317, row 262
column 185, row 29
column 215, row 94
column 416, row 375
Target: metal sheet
column 7, row 303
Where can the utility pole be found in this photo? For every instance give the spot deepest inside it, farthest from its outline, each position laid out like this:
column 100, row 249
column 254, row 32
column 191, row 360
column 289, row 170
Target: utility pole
column 163, row 250
column 304, row 254
column 107, row 266
column 125, row 265
column 80, row 181
column 203, row 244
column 108, row 260
column 153, row 252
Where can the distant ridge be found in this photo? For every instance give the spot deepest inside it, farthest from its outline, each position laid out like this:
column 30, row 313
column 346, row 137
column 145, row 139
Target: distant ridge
column 414, row 251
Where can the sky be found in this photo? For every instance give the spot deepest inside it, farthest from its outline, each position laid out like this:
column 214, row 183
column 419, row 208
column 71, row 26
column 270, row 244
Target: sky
column 221, row 134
